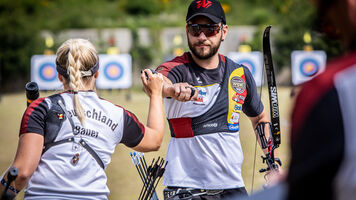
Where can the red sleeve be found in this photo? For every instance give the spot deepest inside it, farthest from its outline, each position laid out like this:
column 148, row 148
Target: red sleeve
column 33, row 120
column 171, row 70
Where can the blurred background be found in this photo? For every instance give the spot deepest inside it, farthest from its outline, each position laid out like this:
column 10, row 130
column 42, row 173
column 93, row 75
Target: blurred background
column 149, row 32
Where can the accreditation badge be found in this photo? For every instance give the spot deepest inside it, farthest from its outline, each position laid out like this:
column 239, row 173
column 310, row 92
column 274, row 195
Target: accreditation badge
column 237, row 94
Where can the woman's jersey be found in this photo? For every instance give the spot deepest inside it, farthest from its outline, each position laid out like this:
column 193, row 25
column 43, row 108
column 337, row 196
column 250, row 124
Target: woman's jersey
column 323, row 164
column 205, row 151
column 69, row 171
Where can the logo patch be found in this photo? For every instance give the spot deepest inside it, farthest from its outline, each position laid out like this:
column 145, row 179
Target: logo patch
column 234, row 127
column 237, row 107
column 203, row 4
column 213, row 125
column 234, row 118
column 60, row 116
column 201, row 94
column 238, row 84
column 75, row 159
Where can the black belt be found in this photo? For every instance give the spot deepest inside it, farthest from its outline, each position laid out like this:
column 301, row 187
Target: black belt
column 173, row 193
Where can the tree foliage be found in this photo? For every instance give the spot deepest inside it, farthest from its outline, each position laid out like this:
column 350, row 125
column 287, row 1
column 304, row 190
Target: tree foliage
column 22, row 20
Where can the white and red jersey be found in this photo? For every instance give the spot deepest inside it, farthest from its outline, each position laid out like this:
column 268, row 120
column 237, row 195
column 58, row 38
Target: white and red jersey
column 205, row 151
column 106, row 125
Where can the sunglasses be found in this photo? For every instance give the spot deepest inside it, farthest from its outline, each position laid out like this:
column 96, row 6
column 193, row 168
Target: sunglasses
column 208, row 29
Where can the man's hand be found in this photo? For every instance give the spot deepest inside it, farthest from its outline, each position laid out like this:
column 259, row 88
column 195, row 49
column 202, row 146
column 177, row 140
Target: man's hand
column 181, row 92
column 274, row 176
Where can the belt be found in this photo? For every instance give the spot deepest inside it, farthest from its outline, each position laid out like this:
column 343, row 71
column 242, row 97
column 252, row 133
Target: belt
column 171, row 193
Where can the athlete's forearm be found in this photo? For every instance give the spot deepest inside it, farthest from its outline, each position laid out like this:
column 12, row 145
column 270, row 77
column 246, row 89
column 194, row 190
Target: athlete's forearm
column 155, row 114
column 154, row 130
column 167, row 88
column 261, row 118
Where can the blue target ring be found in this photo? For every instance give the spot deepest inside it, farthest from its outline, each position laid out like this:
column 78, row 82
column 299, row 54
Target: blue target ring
column 48, row 72
column 250, row 65
column 309, row 67
column 113, row 71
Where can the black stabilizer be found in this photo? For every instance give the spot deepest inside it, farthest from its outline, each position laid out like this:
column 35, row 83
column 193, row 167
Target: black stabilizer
column 11, row 176
column 32, row 92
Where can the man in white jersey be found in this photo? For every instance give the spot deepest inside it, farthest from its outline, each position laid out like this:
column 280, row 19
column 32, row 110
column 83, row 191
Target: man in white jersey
column 208, row 93
column 66, row 140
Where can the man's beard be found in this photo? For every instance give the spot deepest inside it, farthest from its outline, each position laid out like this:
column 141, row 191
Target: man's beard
column 200, row 54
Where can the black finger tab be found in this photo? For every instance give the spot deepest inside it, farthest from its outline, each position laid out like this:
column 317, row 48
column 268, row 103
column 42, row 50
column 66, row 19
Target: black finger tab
column 192, row 91
column 153, row 72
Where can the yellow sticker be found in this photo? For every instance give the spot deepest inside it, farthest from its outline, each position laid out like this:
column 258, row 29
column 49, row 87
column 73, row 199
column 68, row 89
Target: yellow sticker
column 237, row 93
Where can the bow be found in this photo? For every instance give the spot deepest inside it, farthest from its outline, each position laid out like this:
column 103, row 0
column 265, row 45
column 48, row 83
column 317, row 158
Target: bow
column 274, row 127
column 275, row 141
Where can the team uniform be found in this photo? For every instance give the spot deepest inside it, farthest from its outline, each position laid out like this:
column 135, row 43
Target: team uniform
column 323, row 162
column 205, row 151
column 69, row 169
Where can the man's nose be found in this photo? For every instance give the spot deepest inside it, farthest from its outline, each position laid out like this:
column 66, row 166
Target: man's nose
column 202, row 36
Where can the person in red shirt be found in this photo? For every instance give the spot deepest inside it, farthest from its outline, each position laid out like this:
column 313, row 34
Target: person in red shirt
column 323, row 138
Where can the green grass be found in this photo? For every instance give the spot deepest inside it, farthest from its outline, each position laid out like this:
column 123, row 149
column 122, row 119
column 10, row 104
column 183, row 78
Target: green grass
column 123, row 180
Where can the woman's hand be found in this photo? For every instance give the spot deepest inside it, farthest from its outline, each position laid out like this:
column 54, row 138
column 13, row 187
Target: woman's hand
column 152, row 83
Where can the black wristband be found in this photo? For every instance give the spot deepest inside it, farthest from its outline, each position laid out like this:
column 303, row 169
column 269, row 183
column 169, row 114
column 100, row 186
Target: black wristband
column 278, row 161
column 3, row 182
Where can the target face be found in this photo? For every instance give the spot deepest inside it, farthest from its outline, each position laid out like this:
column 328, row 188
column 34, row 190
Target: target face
column 309, row 67
column 113, row 71
column 249, row 64
column 44, row 72
column 253, row 61
column 47, row 72
column 306, row 65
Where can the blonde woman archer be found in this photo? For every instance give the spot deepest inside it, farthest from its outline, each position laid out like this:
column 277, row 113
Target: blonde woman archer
column 66, row 140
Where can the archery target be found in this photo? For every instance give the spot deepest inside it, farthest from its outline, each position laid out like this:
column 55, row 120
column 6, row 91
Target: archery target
column 47, row 72
column 309, row 67
column 44, row 73
column 306, row 65
column 253, row 61
column 115, row 71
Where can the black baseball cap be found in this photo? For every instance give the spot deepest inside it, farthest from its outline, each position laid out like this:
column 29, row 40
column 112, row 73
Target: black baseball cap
column 208, row 8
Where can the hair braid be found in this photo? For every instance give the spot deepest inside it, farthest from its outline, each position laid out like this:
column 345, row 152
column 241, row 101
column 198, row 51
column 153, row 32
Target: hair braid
column 77, row 55
column 75, row 80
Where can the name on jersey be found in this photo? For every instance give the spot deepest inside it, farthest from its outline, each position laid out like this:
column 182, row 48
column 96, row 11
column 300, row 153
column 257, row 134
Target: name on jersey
column 85, row 131
column 97, row 115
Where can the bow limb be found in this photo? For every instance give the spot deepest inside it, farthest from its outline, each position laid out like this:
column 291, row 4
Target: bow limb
column 275, row 134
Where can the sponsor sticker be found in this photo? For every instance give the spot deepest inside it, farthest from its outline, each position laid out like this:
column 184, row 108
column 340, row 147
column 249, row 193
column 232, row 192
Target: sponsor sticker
column 234, row 118
column 237, row 84
column 234, row 127
column 237, row 107
column 212, row 125
column 201, row 94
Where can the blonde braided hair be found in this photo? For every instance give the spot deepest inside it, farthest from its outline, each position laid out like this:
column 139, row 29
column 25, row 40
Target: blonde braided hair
column 77, row 55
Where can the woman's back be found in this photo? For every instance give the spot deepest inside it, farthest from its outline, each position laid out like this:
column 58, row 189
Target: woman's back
column 68, row 169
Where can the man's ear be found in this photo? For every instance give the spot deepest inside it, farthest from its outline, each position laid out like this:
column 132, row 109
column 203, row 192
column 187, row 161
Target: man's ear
column 224, row 31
